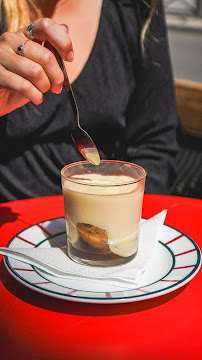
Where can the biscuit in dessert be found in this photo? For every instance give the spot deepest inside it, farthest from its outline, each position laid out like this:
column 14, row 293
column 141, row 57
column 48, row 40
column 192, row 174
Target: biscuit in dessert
column 93, row 236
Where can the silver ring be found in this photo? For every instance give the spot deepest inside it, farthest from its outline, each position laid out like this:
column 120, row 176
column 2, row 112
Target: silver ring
column 30, row 30
column 21, row 48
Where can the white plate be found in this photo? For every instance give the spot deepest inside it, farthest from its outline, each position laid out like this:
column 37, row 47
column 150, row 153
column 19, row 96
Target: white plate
column 176, row 262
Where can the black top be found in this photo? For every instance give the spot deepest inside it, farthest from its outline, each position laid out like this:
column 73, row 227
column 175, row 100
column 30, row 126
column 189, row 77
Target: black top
column 127, row 108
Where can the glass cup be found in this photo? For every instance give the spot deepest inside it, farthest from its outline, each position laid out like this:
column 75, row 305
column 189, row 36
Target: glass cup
column 103, row 207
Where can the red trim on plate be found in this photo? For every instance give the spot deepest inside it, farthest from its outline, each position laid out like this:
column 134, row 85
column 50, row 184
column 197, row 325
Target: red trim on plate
column 108, row 295
column 72, row 292
column 183, row 267
column 186, row 252
column 43, row 282
column 28, row 242
column 178, row 237
column 169, row 280
column 43, row 229
column 143, row 291
column 23, row 269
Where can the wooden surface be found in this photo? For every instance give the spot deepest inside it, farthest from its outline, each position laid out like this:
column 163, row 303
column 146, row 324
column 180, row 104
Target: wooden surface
column 189, row 106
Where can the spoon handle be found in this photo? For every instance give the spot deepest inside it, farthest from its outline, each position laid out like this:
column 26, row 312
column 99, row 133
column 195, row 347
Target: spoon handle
column 68, row 87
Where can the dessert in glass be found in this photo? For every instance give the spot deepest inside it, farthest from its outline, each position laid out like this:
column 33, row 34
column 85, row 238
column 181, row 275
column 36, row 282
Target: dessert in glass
column 103, row 207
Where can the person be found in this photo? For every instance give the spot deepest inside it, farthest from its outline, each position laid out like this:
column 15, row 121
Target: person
column 117, row 58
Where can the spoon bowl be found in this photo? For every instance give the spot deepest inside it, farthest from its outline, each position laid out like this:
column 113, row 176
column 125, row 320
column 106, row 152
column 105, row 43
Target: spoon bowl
column 85, row 145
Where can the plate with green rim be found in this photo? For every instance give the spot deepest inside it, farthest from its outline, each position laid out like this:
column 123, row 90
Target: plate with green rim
column 177, row 260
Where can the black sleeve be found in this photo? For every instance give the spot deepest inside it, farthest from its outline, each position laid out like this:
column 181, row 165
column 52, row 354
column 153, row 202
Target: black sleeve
column 152, row 117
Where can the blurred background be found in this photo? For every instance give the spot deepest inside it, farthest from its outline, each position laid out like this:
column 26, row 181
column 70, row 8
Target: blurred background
column 184, row 20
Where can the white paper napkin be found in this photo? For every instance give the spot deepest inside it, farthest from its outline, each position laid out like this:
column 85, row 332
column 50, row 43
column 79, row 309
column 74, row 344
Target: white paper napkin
column 56, row 262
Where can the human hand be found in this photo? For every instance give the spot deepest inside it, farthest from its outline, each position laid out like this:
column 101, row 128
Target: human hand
column 25, row 78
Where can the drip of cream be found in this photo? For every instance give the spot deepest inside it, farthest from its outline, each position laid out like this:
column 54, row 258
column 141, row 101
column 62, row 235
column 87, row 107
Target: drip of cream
column 92, row 155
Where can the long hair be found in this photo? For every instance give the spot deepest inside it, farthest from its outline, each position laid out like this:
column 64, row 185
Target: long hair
column 15, row 14
column 153, row 5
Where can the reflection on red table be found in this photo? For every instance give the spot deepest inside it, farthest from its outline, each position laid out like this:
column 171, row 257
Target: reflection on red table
column 36, row 326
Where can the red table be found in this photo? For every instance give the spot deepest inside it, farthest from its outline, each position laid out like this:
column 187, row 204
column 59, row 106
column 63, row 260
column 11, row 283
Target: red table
column 36, row 326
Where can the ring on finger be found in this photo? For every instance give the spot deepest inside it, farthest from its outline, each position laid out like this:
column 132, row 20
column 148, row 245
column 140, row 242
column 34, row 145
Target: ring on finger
column 21, row 47
column 30, row 30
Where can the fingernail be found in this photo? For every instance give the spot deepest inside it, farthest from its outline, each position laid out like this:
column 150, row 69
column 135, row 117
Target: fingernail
column 39, row 101
column 67, row 27
column 70, row 56
column 57, row 90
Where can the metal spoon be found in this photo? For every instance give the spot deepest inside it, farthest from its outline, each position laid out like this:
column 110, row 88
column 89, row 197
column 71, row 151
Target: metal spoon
column 82, row 140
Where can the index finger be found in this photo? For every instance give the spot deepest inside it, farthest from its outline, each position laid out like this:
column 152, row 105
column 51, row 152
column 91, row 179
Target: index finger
column 57, row 35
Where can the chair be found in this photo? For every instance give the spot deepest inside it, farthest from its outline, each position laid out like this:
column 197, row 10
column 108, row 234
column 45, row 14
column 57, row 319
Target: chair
column 189, row 105
column 189, row 159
